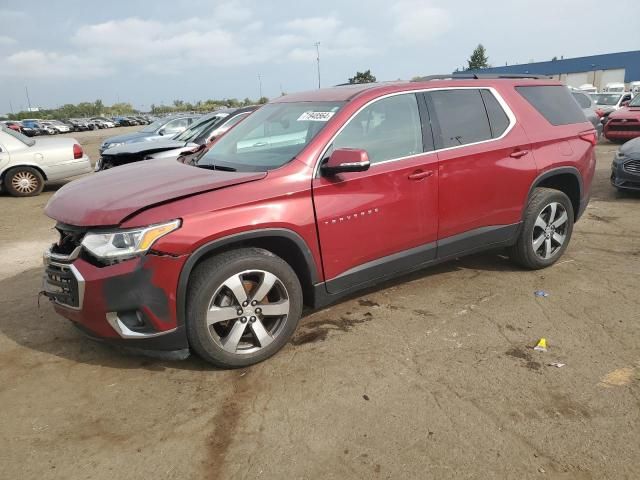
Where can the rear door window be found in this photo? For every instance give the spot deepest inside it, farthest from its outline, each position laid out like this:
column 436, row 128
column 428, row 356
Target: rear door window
column 554, row 102
column 460, row 117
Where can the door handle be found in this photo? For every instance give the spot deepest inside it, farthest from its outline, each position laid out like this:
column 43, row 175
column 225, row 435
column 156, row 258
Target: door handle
column 519, row 153
column 419, row 175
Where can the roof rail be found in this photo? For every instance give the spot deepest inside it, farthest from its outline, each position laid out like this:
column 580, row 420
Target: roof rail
column 477, row 76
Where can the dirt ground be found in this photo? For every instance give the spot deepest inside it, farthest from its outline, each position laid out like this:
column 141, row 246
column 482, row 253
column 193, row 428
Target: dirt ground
column 430, row 376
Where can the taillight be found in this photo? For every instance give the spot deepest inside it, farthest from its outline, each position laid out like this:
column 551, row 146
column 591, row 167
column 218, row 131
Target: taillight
column 77, row 151
column 589, row 136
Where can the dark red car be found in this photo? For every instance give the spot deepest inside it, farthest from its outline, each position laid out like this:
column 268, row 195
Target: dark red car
column 312, row 197
column 624, row 124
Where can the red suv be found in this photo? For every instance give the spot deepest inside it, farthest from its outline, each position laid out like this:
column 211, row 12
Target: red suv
column 313, row 196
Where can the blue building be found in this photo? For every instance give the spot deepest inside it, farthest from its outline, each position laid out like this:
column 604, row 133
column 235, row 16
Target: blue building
column 597, row 70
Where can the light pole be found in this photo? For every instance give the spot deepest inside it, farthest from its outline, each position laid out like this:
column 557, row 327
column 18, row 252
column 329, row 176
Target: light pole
column 28, row 101
column 260, row 84
column 317, row 45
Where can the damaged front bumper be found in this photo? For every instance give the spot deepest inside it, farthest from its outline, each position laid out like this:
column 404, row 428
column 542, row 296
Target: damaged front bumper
column 131, row 303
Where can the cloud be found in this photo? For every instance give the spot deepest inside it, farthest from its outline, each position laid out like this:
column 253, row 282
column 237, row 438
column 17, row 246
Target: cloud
column 415, row 21
column 36, row 63
column 231, row 36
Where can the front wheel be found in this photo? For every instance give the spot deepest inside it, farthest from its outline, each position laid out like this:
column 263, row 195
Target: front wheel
column 546, row 230
column 243, row 306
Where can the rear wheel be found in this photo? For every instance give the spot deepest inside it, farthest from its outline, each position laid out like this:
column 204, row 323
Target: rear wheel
column 243, row 306
column 546, row 230
column 23, row 182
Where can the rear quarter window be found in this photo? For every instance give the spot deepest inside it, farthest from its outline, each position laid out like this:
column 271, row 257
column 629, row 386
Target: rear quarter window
column 554, row 102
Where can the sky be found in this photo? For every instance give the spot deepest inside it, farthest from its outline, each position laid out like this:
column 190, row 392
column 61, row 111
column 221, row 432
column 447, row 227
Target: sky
column 154, row 52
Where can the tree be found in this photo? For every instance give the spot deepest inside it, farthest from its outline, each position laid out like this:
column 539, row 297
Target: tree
column 478, row 59
column 554, row 59
column 262, row 100
column 362, row 77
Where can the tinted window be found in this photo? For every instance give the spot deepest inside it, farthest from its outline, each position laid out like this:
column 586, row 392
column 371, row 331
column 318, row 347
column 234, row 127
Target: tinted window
column 498, row 120
column 387, row 129
column 582, row 99
column 461, row 116
column 555, row 104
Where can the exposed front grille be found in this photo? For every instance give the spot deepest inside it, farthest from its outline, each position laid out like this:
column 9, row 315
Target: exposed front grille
column 61, row 285
column 632, row 166
column 70, row 238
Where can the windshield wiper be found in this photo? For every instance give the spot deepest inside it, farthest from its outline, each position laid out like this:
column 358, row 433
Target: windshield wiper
column 222, row 168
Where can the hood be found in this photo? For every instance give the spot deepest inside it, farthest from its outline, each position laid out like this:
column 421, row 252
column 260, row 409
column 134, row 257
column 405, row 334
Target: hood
column 626, row 112
column 144, row 147
column 631, row 148
column 109, row 197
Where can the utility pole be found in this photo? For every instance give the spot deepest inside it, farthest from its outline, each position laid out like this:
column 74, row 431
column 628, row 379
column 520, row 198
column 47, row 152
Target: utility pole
column 28, row 101
column 317, row 45
column 11, row 106
column 260, row 85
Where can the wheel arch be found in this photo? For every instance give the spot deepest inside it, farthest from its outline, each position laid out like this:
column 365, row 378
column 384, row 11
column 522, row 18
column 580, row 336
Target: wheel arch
column 284, row 243
column 565, row 179
column 4, row 172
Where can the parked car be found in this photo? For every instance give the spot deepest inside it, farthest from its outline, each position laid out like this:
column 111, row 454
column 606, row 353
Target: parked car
column 609, row 102
column 200, row 133
column 165, row 127
column 104, row 122
column 58, row 126
column 589, row 108
column 77, row 125
column 624, row 124
column 310, row 198
column 27, row 163
column 625, row 169
column 123, row 122
column 588, row 88
column 614, row 87
column 37, row 127
column 13, row 125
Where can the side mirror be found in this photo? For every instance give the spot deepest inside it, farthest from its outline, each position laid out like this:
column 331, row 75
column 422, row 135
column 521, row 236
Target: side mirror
column 346, row 160
column 625, row 104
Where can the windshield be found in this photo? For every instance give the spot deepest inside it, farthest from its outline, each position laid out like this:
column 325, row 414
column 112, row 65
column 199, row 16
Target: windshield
column 635, row 102
column 23, row 138
column 197, row 128
column 270, row 137
column 152, row 127
column 606, row 98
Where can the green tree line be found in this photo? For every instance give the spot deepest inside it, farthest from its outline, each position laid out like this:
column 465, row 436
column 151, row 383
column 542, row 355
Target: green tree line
column 97, row 108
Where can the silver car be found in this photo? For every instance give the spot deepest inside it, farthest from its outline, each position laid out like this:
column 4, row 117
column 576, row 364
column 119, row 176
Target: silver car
column 27, row 163
column 588, row 106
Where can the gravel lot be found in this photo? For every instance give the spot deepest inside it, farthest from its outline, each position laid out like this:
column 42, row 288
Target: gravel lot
column 431, row 376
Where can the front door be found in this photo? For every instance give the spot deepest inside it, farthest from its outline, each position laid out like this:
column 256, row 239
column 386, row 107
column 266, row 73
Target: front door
column 383, row 220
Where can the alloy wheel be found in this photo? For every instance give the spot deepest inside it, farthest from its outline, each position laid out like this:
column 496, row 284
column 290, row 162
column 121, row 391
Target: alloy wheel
column 248, row 311
column 24, row 182
column 550, row 230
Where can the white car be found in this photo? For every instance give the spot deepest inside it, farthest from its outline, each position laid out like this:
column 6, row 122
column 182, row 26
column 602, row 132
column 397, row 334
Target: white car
column 59, row 127
column 27, row 163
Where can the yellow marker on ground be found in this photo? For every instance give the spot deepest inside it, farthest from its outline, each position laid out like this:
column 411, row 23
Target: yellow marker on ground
column 541, row 346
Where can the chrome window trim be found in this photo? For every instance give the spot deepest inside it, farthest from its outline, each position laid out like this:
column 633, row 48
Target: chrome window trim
column 510, row 115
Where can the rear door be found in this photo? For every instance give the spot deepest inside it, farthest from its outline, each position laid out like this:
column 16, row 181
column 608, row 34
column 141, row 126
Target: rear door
column 383, row 220
column 485, row 167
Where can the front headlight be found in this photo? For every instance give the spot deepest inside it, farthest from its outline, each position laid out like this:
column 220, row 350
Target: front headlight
column 123, row 244
column 111, row 145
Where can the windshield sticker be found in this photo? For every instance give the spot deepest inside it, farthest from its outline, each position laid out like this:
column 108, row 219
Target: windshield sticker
column 315, row 116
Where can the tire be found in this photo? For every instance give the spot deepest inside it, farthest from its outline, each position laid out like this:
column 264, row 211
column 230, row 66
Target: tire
column 23, row 182
column 543, row 238
column 210, row 296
